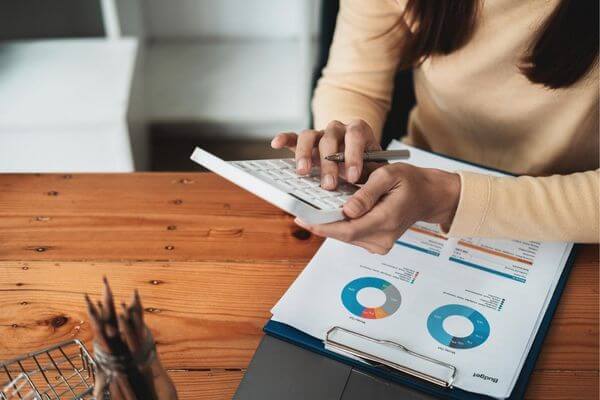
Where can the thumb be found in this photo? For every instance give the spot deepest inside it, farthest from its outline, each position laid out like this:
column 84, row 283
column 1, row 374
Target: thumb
column 379, row 183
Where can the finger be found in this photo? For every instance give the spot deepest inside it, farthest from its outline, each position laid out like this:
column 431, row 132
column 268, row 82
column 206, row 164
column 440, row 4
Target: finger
column 381, row 241
column 304, row 148
column 346, row 231
column 369, row 168
column 358, row 139
column 330, row 144
column 371, row 247
column 362, row 232
column 285, row 139
column 364, row 199
column 341, row 229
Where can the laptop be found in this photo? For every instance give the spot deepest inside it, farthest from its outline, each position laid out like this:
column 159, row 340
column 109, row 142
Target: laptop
column 280, row 370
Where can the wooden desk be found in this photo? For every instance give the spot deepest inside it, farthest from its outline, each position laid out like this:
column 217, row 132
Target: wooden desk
column 209, row 260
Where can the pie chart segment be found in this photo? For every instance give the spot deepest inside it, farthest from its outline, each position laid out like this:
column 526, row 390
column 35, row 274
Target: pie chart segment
column 480, row 333
column 350, row 298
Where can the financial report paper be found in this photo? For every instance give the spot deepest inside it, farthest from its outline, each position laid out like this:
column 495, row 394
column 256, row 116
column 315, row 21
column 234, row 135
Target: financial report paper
column 472, row 303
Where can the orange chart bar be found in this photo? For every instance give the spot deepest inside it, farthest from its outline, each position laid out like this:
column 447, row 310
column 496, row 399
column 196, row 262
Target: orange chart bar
column 426, row 232
column 494, row 252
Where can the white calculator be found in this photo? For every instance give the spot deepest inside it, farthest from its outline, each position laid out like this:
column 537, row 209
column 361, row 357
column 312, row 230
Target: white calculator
column 277, row 182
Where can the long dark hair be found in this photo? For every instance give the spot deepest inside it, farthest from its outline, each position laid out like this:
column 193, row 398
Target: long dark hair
column 562, row 51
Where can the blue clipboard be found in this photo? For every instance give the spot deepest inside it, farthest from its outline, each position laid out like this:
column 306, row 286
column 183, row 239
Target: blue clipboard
column 299, row 338
column 294, row 336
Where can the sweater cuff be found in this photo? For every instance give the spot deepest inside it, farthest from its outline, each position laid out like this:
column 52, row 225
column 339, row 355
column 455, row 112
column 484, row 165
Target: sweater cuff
column 473, row 205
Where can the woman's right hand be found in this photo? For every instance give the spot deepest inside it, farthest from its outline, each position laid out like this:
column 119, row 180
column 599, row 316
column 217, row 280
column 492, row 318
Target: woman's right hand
column 312, row 146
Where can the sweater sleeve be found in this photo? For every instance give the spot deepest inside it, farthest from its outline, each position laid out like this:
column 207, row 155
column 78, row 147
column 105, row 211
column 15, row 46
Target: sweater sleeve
column 358, row 79
column 554, row 208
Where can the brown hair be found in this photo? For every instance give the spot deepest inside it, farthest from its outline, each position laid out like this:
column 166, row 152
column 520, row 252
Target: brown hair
column 562, row 51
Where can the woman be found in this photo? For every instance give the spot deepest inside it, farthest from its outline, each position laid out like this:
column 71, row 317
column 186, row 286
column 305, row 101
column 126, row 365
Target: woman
column 509, row 84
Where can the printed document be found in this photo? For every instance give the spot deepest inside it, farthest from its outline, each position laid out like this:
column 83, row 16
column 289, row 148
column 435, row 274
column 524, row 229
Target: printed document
column 472, row 303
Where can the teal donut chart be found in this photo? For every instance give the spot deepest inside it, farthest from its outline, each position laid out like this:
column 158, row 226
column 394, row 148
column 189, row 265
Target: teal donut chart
column 435, row 326
column 350, row 301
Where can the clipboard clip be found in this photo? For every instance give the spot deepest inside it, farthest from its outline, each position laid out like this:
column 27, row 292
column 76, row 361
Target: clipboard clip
column 390, row 354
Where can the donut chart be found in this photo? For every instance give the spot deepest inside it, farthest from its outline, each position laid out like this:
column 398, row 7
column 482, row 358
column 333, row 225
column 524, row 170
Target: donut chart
column 350, row 300
column 435, row 326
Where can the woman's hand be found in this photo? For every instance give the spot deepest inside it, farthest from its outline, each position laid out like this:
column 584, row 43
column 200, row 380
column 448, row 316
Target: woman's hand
column 394, row 198
column 311, row 147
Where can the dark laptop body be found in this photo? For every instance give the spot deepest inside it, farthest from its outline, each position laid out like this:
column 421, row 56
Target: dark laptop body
column 282, row 371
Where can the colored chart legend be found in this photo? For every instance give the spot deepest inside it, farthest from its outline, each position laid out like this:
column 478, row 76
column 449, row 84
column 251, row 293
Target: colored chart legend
column 352, row 304
column 423, row 237
column 510, row 259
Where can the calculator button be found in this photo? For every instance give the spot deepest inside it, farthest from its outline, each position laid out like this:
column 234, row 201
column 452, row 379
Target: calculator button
column 289, row 173
column 331, row 202
column 260, row 163
column 289, row 162
column 304, row 194
column 344, row 198
column 273, row 164
column 314, row 192
column 283, row 185
column 253, row 165
column 315, row 172
column 274, row 174
column 326, row 193
column 263, row 175
column 347, row 188
column 310, row 181
column 296, row 183
column 302, row 183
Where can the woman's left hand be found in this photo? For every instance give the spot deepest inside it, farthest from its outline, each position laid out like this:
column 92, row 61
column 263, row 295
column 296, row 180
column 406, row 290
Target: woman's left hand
column 394, row 197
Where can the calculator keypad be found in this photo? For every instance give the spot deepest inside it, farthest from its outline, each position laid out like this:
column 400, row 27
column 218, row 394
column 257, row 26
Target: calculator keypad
column 281, row 173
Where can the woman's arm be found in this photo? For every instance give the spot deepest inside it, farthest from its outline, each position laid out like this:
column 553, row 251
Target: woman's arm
column 358, row 80
column 356, row 89
column 555, row 208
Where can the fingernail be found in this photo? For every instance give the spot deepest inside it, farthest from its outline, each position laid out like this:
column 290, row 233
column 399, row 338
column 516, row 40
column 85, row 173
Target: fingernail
column 328, row 182
column 352, row 174
column 277, row 141
column 302, row 165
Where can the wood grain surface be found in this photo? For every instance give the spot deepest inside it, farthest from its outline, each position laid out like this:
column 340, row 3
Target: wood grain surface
column 210, row 260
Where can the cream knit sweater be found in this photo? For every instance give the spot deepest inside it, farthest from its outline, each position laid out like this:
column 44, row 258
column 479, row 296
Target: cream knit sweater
column 474, row 104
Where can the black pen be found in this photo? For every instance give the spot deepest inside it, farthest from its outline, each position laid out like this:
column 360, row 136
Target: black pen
column 374, row 156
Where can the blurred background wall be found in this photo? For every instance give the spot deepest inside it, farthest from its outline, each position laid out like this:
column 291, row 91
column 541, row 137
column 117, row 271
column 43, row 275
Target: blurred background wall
column 118, row 85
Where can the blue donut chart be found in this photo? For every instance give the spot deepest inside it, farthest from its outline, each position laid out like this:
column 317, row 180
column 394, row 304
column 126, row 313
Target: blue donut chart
column 350, row 300
column 435, row 326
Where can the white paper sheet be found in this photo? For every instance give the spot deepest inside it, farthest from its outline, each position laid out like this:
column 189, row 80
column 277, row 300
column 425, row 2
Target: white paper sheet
column 472, row 303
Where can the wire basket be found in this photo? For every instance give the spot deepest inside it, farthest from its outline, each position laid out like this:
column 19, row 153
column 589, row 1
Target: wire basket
column 63, row 371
